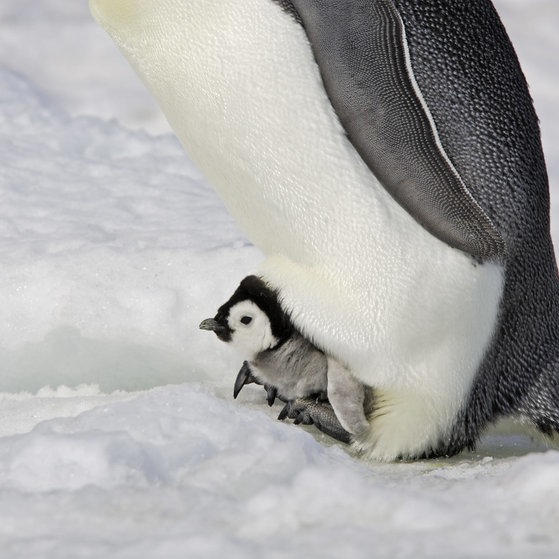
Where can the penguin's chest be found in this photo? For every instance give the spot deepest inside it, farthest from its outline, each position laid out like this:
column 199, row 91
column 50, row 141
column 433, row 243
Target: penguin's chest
column 252, row 113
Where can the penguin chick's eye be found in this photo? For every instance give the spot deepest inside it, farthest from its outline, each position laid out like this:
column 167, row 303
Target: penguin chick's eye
column 246, row 319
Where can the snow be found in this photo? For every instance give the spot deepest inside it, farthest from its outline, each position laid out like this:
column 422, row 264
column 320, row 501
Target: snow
column 119, row 436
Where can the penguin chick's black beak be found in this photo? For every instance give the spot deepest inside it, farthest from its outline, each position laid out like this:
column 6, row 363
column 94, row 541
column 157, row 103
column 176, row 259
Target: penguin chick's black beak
column 222, row 331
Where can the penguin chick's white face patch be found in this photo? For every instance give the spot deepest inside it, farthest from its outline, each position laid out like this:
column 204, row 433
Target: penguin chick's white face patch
column 251, row 331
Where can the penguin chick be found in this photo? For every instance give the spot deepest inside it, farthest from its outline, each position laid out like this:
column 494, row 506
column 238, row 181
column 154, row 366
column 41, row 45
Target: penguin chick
column 287, row 364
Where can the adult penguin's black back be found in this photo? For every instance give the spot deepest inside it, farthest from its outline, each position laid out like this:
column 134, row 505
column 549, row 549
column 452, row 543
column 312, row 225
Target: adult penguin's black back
column 480, row 103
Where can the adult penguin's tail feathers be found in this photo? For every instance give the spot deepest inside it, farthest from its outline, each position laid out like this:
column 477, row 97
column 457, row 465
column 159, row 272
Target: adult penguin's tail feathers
column 540, row 406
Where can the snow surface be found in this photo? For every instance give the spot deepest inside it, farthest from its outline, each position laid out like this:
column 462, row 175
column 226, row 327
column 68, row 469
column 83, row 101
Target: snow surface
column 119, row 437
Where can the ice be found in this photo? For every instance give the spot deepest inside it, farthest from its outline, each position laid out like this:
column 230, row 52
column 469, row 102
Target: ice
column 110, row 238
column 118, row 435
column 178, row 470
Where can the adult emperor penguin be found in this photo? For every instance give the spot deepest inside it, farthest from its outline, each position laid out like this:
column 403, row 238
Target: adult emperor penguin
column 385, row 156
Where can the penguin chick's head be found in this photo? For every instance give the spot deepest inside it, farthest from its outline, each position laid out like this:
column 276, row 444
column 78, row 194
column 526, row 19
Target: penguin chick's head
column 252, row 320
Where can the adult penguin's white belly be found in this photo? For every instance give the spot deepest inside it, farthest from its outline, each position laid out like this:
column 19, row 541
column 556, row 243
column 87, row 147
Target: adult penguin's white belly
column 407, row 313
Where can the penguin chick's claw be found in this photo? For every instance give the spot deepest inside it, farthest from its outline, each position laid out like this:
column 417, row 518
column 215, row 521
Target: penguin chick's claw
column 309, row 411
column 271, row 393
column 244, row 376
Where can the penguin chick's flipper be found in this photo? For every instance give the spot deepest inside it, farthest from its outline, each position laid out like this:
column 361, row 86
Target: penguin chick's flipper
column 309, row 411
column 244, row 376
column 379, row 104
column 347, row 398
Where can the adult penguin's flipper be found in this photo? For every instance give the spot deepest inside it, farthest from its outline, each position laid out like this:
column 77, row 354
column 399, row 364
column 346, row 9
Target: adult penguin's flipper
column 362, row 52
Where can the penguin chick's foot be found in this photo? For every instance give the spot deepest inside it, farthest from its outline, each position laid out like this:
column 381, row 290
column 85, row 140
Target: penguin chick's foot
column 310, row 411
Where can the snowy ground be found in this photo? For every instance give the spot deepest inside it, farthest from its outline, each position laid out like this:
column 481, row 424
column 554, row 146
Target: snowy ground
column 119, row 437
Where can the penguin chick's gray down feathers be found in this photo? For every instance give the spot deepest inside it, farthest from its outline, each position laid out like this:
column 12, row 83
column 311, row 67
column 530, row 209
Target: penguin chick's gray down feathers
column 253, row 322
